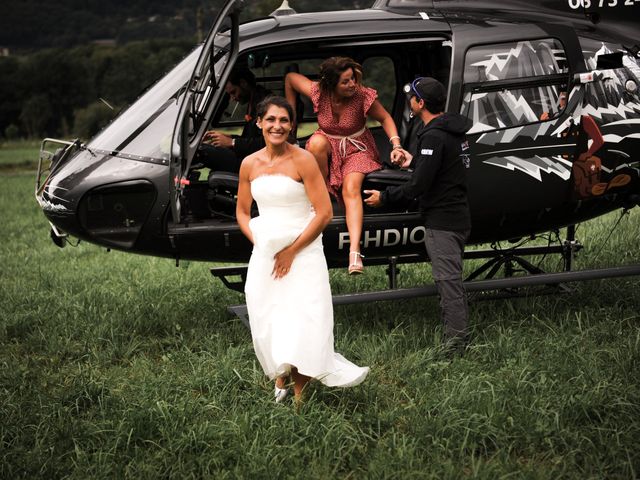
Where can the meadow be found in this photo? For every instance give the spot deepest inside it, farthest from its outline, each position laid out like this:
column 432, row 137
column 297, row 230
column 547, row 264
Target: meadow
column 115, row 365
column 19, row 155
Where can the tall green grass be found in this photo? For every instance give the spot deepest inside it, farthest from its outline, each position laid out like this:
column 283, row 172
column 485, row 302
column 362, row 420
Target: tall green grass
column 19, row 154
column 115, row 365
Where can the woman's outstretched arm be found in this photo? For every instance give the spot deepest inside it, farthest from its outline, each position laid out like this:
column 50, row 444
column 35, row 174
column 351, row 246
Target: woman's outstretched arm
column 379, row 113
column 296, row 83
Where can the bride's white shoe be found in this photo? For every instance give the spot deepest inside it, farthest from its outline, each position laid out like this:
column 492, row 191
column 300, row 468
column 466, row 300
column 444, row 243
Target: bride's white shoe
column 280, row 394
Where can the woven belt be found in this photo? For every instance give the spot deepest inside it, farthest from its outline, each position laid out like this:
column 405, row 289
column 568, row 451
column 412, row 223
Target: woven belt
column 351, row 139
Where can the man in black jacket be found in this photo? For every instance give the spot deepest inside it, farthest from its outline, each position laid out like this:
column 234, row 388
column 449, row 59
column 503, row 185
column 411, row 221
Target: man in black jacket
column 439, row 182
column 220, row 151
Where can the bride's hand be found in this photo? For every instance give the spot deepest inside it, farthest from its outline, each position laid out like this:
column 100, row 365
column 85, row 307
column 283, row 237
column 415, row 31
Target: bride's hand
column 283, row 261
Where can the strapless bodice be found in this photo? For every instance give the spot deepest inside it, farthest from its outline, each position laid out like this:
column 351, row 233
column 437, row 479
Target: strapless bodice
column 285, row 211
column 280, row 196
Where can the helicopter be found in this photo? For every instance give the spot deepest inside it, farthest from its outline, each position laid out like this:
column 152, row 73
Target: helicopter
column 534, row 79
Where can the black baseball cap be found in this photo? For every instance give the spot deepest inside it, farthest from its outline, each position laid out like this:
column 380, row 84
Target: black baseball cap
column 430, row 90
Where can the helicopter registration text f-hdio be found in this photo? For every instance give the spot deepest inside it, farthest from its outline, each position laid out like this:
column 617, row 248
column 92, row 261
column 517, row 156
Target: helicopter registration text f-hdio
column 387, row 237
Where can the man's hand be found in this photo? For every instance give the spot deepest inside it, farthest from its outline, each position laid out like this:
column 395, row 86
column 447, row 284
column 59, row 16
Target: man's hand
column 373, row 200
column 218, row 139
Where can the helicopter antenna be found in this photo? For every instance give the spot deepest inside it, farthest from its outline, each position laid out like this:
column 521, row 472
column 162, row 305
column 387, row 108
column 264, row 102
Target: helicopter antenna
column 283, row 10
column 106, row 103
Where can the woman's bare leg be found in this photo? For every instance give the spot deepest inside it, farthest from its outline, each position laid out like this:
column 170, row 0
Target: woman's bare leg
column 353, row 208
column 281, row 382
column 320, row 147
column 299, row 382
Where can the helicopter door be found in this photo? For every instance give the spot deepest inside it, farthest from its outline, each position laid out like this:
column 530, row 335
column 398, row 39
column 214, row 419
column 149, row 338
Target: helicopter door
column 204, row 89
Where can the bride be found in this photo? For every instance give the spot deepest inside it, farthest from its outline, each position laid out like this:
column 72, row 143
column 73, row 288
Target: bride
column 287, row 289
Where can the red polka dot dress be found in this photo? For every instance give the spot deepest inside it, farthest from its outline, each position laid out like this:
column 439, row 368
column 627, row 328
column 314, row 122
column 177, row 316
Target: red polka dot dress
column 353, row 148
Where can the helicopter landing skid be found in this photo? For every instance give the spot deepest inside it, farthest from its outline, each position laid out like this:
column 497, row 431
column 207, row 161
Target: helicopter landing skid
column 497, row 284
column 511, row 286
column 513, row 265
column 512, row 262
column 223, row 273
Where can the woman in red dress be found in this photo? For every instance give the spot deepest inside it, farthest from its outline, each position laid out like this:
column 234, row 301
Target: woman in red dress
column 343, row 146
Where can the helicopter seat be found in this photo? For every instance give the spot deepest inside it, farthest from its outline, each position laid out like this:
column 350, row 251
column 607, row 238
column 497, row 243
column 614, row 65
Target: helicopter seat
column 381, row 179
column 222, row 192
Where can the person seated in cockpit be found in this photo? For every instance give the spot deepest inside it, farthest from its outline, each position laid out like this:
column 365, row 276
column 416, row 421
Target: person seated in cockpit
column 222, row 152
column 562, row 103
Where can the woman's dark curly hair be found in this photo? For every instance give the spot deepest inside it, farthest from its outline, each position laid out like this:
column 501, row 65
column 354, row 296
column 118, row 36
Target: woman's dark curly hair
column 333, row 67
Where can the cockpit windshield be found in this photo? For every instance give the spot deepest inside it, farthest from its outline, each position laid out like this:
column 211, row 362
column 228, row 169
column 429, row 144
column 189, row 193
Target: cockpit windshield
column 145, row 128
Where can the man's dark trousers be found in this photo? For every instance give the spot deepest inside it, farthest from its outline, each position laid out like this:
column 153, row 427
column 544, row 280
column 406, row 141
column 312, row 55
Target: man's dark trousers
column 445, row 250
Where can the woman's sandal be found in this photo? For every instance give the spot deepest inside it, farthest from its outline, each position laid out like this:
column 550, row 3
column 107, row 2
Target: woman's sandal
column 355, row 263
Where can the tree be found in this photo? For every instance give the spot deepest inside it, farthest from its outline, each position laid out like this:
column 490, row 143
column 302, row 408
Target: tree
column 90, row 120
column 36, row 114
column 12, row 132
column 10, row 100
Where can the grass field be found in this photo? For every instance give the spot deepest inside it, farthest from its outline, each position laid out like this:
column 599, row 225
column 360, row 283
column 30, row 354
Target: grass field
column 115, row 365
column 19, row 154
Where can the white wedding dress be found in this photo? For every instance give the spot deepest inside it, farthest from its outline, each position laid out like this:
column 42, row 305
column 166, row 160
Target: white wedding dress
column 292, row 318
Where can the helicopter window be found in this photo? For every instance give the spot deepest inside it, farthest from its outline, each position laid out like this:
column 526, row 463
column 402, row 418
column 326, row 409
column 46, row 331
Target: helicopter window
column 379, row 74
column 486, row 63
column 145, row 128
column 510, row 85
column 115, row 213
column 510, row 107
column 600, row 55
column 619, row 89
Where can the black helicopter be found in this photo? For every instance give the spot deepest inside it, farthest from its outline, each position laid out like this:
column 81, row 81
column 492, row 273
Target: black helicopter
column 542, row 82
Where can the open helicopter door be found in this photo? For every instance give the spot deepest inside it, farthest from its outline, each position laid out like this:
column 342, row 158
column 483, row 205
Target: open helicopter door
column 204, row 89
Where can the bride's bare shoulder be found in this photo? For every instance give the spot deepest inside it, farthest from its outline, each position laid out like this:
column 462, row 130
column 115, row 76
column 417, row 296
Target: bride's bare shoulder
column 301, row 155
column 305, row 163
column 254, row 157
column 249, row 163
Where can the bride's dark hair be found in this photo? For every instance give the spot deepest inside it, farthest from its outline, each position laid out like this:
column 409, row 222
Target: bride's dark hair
column 277, row 101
